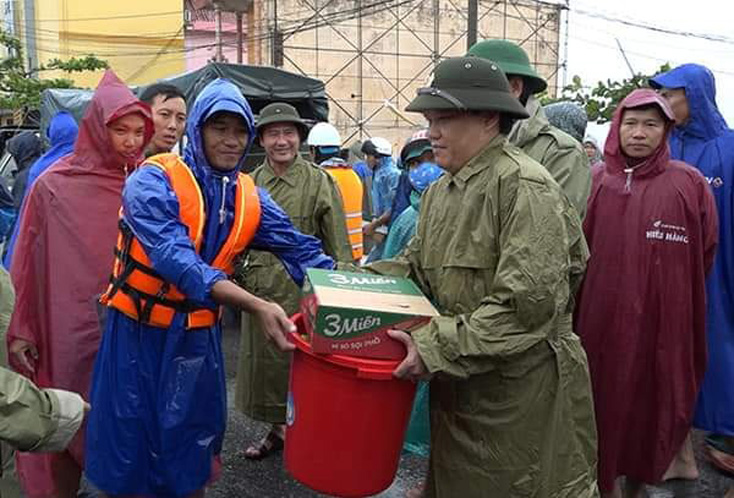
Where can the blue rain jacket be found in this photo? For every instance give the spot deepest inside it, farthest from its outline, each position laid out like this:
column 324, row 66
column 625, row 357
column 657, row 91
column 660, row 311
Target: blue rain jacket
column 403, row 228
column 159, row 395
column 384, row 186
column 362, row 170
column 401, row 201
column 706, row 142
column 61, row 133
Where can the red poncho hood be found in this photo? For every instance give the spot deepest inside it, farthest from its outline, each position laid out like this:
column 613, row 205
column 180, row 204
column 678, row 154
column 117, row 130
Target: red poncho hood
column 615, row 159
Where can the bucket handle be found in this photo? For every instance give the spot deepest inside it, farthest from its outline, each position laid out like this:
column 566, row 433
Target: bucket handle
column 374, row 374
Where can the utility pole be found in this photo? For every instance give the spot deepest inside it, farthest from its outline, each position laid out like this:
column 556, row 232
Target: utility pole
column 30, row 35
column 472, row 20
column 565, row 45
column 436, row 32
column 277, row 41
column 253, row 34
column 360, row 68
column 219, row 56
column 238, row 17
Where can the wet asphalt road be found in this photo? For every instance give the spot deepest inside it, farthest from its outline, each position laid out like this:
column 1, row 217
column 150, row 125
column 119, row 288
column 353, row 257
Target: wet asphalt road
column 267, row 478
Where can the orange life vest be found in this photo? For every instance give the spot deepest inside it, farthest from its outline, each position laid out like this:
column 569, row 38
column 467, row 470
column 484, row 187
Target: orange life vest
column 351, row 190
column 138, row 291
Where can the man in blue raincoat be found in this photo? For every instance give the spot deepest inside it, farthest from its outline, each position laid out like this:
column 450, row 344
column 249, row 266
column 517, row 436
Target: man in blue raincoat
column 702, row 138
column 158, row 392
column 61, row 133
column 385, row 178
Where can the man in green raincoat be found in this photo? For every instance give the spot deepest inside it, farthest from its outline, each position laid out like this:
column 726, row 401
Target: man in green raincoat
column 499, row 250
column 561, row 154
column 312, row 200
column 31, row 419
column 39, row 420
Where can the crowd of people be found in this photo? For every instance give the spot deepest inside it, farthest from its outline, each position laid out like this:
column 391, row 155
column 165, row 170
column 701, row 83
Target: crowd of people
column 586, row 294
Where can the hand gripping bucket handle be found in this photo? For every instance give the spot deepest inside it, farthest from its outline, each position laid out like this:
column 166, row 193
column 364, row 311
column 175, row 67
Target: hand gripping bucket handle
column 374, row 374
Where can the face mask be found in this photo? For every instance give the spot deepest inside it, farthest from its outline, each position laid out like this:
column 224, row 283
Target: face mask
column 425, row 174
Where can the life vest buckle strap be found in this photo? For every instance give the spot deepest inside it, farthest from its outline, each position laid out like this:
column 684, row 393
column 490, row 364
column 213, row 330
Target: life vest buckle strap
column 144, row 311
column 138, row 291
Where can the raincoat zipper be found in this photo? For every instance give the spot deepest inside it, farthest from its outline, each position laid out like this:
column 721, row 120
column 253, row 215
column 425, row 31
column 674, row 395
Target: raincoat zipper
column 222, row 210
column 630, row 172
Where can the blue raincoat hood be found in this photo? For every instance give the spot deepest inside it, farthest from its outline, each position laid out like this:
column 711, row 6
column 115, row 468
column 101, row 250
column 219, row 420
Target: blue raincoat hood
column 219, row 95
column 61, row 133
column 705, row 121
column 62, row 130
column 218, row 187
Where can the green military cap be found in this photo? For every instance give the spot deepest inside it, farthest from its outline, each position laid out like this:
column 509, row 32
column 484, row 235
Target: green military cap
column 512, row 59
column 468, row 84
column 280, row 112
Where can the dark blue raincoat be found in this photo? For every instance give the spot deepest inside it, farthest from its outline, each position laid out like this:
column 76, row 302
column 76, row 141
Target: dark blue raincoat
column 25, row 148
column 706, row 142
column 61, row 133
column 159, row 395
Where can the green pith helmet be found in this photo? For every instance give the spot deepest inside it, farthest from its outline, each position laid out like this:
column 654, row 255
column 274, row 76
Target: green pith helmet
column 280, row 112
column 512, row 59
column 468, row 84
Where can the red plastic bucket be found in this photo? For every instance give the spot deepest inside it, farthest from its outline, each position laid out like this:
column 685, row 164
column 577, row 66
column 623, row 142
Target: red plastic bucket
column 346, row 421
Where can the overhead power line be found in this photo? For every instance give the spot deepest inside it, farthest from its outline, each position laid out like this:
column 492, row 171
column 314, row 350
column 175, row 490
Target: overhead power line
column 639, row 54
column 654, row 28
column 108, row 18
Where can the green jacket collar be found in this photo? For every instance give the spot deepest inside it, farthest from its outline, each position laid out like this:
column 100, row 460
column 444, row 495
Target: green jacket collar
column 480, row 162
column 291, row 175
column 526, row 130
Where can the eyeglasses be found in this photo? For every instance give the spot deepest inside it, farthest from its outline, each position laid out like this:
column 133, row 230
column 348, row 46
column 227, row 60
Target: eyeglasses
column 435, row 92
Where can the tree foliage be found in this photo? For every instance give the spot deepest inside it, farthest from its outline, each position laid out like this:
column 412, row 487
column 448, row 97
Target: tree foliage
column 20, row 88
column 601, row 101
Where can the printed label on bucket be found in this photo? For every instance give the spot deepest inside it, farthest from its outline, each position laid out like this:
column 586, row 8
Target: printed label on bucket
column 290, row 411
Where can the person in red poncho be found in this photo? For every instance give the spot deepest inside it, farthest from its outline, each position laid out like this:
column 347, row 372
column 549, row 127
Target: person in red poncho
column 652, row 230
column 62, row 261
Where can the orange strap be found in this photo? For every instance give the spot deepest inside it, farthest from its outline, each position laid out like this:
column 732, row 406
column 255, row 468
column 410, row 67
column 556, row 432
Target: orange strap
column 137, row 291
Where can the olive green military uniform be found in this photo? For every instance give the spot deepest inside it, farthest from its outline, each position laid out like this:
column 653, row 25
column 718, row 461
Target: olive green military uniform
column 9, row 485
column 499, row 250
column 311, row 199
column 30, row 416
column 31, row 419
column 562, row 155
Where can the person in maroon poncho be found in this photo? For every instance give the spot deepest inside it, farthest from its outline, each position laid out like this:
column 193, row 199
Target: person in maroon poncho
column 62, row 260
column 651, row 227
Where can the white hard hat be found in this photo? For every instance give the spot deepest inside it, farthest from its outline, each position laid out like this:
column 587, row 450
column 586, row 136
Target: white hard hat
column 382, row 146
column 324, row 135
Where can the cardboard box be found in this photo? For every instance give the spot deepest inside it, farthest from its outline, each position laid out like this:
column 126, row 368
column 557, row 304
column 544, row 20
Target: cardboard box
column 350, row 313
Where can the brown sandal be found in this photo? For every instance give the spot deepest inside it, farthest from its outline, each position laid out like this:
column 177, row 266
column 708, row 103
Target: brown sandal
column 272, row 443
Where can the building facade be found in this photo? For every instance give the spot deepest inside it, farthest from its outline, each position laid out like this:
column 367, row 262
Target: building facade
column 374, row 54
column 141, row 40
column 371, row 54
